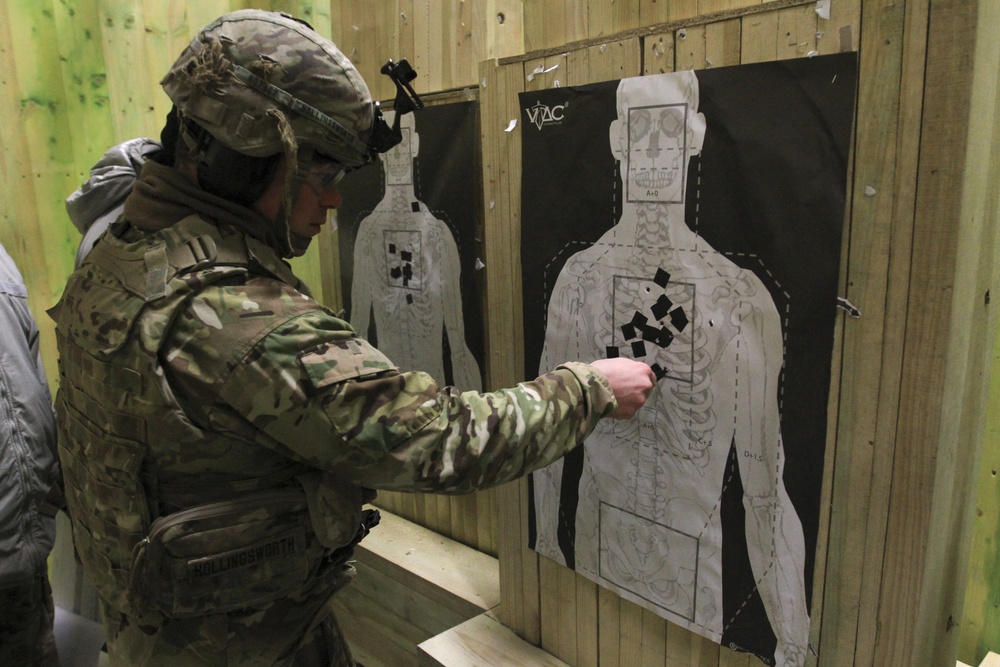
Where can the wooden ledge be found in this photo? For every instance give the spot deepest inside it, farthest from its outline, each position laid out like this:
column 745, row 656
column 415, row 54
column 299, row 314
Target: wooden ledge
column 452, row 574
column 482, row 641
column 412, row 584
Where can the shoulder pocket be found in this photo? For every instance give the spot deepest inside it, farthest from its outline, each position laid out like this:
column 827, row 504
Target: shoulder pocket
column 342, row 360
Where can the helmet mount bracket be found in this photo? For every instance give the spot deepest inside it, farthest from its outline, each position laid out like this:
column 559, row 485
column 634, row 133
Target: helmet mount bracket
column 383, row 137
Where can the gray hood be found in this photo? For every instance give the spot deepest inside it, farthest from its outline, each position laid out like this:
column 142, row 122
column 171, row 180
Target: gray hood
column 100, row 200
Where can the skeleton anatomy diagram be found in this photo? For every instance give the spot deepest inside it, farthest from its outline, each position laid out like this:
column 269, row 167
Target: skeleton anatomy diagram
column 640, row 511
column 407, row 276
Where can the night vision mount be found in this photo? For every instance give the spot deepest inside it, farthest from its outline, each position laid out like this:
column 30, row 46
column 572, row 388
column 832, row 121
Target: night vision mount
column 384, row 137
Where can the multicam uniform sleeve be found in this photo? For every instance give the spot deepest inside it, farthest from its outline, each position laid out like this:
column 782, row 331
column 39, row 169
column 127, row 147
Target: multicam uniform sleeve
column 313, row 390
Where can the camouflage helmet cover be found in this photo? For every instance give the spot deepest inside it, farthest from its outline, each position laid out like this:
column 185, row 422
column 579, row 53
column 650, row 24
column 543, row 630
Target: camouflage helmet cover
column 257, row 80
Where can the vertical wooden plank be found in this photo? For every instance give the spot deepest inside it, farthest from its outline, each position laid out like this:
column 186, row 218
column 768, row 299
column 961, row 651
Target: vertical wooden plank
column 710, row 6
column 468, row 511
column 654, row 640
column 587, row 622
column 980, row 620
column 38, row 162
column 686, row 649
column 845, row 18
column 85, row 77
column 723, row 43
column 464, row 67
column 442, row 514
column 364, row 39
column 549, row 602
column 610, row 18
column 797, row 32
column 609, row 628
column 315, row 12
column 758, row 38
column 840, row 32
column 482, row 522
column 615, row 60
column 438, row 50
column 833, row 408
column 567, row 619
column 200, row 14
column 500, row 30
column 884, row 164
column 553, row 21
column 630, row 633
column 485, row 522
column 400, row 41
column 946, row 340
column 505, row 353
column 658, row 54
column 533, row 24
column 653, row 12
column 690, row 47
column 157, row 57
column 338, row 16
column 577, row 20
column 132, row 97
column 730, row 658
column 19, row 233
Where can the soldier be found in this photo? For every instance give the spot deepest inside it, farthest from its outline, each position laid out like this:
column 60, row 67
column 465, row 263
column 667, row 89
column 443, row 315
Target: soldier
column 220, row 429
column 29, row 482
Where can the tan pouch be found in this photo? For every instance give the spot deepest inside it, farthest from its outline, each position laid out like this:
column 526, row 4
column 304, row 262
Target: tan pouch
column 225, row 555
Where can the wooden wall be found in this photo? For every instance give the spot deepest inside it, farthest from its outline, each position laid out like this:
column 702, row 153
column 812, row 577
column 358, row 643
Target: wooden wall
column 907, row 402
column 910, row 377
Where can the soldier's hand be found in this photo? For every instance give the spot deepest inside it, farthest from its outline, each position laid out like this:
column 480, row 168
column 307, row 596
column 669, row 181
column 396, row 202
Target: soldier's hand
column 630, row 380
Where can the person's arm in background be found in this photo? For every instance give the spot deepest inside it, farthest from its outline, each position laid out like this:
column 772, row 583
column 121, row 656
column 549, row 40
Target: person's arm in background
column 31, row 490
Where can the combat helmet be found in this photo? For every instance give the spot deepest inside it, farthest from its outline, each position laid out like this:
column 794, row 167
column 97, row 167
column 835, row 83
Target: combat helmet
column 254, row 86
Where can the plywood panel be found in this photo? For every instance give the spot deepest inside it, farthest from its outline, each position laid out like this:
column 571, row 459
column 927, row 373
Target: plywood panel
column 863, row 462
column 658, row 54
column 946, row 340
column 611, row 18
column 712, row 45
column 38, row 160
column 499, row 29
column 980, row 622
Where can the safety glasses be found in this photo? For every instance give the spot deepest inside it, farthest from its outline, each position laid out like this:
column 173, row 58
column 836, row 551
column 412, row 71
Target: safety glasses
column 324, row 173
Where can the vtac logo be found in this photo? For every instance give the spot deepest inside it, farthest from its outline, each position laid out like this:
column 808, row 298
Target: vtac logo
column 543, row 114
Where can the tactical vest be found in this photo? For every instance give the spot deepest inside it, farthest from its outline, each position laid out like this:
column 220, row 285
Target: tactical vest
column 255, row 541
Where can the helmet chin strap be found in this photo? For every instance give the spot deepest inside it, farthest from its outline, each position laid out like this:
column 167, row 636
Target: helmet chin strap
column 297, row 243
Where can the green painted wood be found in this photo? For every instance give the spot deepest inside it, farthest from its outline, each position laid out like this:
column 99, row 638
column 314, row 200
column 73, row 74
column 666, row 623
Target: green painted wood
column 981, row 620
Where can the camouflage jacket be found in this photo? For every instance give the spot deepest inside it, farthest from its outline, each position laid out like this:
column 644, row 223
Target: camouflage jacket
column 197, row 370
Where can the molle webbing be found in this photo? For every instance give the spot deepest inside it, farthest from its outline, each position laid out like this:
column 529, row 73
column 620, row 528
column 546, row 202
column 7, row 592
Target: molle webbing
column 176, row 496
column 106, row 502
column 146, row 269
